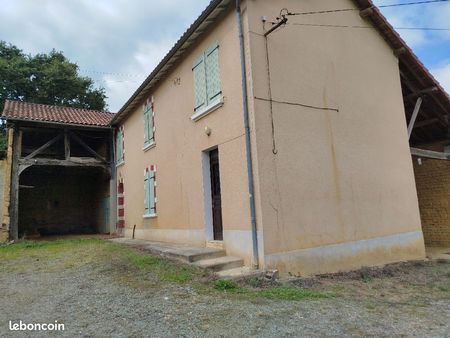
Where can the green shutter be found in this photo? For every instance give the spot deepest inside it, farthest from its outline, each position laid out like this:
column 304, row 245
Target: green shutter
column 199, row 83
column 146, row 191
column 148, row 124
column 151, row 195
column 119, row 146
column 212, row 72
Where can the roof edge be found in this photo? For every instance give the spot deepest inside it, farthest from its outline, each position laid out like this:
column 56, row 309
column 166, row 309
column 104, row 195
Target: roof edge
column 183, row 39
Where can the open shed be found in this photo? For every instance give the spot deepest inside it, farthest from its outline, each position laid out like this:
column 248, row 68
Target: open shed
column 60, row 169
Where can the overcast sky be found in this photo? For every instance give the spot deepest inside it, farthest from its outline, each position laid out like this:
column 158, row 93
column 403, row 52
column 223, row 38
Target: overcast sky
column 119, row 42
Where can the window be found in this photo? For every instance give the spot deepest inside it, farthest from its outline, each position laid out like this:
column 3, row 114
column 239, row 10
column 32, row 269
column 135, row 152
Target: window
column 150, row 192
column 149, row 126
column 120, row 152
column 206, row 73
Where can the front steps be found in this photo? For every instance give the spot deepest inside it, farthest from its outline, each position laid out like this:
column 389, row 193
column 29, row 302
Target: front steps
column 212, row 258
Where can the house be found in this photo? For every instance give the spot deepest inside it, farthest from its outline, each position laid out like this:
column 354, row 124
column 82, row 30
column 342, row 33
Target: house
column 59, row 171
column 290, row 133
column 304, row 166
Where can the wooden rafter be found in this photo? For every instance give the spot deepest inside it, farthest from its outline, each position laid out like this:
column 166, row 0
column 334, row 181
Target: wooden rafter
column 85, row 146
column 45, row 146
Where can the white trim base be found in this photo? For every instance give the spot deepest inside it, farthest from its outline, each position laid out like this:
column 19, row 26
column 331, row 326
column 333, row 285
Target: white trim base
column 350, row 255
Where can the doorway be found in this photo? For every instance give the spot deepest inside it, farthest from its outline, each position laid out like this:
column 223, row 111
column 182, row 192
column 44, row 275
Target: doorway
column 216, row 198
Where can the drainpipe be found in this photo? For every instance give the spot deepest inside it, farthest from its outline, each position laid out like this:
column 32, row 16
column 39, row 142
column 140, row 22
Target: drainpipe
column 248, row 149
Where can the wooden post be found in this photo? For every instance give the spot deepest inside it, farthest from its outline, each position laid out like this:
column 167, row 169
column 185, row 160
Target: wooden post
column 414, row 116
column 14, row 204
column 66, row 144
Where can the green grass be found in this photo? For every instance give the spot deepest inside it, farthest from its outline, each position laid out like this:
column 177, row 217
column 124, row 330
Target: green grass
column 223, row 285
column 129, row 266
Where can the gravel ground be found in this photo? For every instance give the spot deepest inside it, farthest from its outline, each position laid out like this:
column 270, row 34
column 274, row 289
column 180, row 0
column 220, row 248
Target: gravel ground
column 92, row 300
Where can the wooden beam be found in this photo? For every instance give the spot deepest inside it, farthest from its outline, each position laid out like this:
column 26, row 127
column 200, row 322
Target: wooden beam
column 430, row 154
column 72, row 162
column 14, row 193
column 66, row 144
column 89, row 149
column 399, row 51
column 366, row 12
column 414, row 116
column 422, row 92
column 45, row 146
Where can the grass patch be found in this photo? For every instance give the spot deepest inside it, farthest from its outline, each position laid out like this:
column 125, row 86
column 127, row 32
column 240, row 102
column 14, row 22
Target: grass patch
column 224, row 285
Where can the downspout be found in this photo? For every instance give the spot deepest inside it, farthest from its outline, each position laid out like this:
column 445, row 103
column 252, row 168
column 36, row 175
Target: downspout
column 248, row 149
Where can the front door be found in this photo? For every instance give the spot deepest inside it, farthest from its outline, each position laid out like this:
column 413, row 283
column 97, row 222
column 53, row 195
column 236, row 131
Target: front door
column 215, row 195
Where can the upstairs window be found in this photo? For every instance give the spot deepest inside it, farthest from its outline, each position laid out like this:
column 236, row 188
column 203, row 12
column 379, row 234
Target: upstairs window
column 207, row 89
column 149, row 125
column 150, row 192
column 120, row 152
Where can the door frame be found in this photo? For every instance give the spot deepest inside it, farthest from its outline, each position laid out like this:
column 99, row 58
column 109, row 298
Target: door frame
column 207, row 195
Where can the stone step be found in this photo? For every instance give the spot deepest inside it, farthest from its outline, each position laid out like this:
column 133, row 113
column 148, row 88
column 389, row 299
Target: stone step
column 221, row 263
column 238, row 273
column 175, row 251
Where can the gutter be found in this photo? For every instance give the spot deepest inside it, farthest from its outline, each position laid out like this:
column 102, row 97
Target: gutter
column 251, row 187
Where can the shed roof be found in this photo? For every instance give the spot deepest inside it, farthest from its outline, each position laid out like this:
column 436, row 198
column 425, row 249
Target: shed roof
column 24, row 111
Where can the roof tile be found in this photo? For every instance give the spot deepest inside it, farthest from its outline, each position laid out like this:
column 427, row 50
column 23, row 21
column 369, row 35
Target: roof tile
column 15, row 110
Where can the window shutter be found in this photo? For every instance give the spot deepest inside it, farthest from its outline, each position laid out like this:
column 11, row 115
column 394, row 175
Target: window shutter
column 151, row 195
column 146, row 192
column 119, row 145
column 148, row 123
column 212, row 72
column 199, row 83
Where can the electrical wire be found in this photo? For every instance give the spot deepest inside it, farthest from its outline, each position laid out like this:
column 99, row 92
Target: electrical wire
column 297, row 104
column 367, row 27
column 356, row 9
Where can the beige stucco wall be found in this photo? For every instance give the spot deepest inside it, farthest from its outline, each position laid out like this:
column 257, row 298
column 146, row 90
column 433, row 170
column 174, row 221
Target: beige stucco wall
column 7, row 163
column 178, row 154
column 340, row 192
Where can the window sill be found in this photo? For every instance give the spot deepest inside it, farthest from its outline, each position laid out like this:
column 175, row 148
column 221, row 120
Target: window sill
column 216, row 104
column 148, row 146
column 119, row 164
column 150, row 216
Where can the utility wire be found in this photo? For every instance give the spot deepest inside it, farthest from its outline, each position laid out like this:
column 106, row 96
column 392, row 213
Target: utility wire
column 356, row 9
column 367, row 27
column 296, row 104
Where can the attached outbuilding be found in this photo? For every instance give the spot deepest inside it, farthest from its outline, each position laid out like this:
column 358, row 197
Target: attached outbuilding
column 59, row 171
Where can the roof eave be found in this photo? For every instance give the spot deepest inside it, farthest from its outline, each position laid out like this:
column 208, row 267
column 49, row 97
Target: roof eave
column 188, row 38
column 54, row 123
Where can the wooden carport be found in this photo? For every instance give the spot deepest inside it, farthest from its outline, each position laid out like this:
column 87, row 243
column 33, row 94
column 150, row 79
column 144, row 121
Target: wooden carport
column 59, row 141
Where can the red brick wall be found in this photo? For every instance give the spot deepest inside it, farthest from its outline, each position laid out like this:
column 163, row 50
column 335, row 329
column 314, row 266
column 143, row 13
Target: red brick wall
column 433, row 189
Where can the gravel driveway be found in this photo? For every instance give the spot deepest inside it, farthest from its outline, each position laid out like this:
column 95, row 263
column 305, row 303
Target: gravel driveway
column 96, row 297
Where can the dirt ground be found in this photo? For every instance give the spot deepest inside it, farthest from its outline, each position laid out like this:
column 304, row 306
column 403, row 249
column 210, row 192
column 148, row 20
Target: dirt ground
column 100, row 289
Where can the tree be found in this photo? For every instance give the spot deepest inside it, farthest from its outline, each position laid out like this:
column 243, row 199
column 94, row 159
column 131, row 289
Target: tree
column 46, row 79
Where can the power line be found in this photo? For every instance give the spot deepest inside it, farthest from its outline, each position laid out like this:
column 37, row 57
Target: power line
column 356, row 9
column 367, row 27
column 108, row 73
column 296, row 104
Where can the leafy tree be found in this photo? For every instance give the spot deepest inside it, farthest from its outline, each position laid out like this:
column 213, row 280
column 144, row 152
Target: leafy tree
column 47, row 79
column 44, row 78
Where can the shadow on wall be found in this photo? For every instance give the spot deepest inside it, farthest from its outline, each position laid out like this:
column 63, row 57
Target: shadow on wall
column 61, row 200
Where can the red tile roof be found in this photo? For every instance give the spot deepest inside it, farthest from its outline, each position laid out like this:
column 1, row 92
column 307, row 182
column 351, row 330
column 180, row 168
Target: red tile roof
column 15, row 110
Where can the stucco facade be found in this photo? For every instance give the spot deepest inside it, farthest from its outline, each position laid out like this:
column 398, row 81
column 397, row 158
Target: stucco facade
column 334, row 183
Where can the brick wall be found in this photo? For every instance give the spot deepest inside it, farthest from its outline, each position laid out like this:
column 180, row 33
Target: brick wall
column 433, row 189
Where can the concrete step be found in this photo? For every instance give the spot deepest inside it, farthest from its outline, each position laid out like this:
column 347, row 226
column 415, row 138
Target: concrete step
column 221, row 263
column 175, row 251
column 238, row 273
